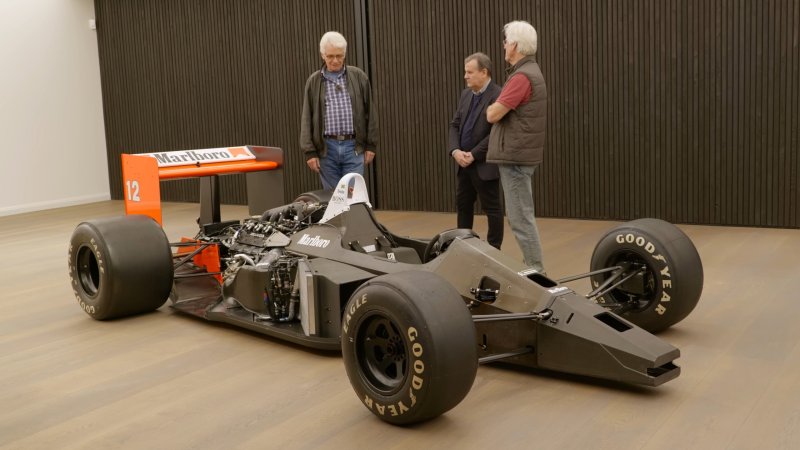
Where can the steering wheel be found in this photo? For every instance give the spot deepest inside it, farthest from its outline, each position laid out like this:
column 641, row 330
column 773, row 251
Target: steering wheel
column 441, row 241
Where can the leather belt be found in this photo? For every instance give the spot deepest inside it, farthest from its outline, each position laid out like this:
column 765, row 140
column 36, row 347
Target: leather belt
column 340, row 137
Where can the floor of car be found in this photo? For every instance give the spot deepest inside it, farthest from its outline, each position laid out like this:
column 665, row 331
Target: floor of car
column 164, row 380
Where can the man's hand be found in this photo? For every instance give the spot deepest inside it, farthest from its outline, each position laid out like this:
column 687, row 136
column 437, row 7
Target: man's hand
column 463, row 159
column 368, row 157
column 313, row 164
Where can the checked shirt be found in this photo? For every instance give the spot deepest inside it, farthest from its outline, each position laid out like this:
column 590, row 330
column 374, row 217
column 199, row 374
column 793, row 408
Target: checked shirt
column 338, row 110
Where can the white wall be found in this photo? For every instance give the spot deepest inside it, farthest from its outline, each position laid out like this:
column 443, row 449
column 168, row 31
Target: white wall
column 52, row 141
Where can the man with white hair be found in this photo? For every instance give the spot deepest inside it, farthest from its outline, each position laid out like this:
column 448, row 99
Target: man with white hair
column 339, row 124
column 516, row 143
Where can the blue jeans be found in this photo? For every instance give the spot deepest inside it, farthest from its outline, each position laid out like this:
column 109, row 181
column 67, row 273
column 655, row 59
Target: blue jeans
column 518, row 192
column 340, row 160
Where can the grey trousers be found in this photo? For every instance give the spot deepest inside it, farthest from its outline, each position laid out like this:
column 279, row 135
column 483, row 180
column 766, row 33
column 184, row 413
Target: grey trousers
column 518, row 192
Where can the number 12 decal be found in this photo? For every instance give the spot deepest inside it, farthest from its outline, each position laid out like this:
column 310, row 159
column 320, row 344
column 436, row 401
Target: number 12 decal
column 133, row 190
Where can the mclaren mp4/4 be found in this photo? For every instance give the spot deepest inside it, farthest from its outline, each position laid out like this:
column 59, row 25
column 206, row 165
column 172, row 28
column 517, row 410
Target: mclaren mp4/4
column 413, row 317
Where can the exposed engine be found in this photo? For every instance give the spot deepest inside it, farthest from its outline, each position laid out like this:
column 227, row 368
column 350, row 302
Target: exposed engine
column 258, row 274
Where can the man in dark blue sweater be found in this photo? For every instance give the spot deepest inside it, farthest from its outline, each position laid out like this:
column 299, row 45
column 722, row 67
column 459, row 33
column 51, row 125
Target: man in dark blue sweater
column 468, row 143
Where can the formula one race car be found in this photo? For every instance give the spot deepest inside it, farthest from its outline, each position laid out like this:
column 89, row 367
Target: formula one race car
column 413, row 317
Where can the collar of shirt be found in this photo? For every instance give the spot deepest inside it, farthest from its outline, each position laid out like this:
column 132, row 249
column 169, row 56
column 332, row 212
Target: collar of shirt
column 483, row 89
column 333, row 77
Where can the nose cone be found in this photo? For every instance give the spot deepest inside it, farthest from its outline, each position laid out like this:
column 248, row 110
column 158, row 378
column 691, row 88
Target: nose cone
column 585, row 339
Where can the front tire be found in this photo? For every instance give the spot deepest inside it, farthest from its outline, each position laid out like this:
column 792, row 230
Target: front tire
column 672, row 279
column 408, row 343
column 120, row 266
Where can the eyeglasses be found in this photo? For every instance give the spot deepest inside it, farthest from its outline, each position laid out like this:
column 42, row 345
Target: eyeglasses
column 334, row 57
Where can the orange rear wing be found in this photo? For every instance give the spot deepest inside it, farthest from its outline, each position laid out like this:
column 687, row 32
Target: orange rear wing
column 262, row 166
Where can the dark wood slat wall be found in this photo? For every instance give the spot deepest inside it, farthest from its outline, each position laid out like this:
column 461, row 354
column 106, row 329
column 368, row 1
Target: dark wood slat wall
column 187, row 74
column 687, row 110
column 683, row 110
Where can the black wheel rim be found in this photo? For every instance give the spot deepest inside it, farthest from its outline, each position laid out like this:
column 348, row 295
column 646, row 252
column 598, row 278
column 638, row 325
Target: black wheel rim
column 381, row 353
column 623, row 298
column 88, row 271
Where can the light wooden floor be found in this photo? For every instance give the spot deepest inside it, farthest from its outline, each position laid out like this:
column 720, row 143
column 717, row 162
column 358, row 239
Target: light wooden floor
column 167, row 381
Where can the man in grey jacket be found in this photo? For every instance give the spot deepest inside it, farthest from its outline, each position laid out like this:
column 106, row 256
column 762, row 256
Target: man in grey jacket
column 516, row 143
column 339, row 125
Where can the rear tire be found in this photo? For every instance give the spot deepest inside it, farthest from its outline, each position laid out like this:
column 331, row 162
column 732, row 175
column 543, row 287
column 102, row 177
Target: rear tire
column 673, row 279
column 120, row 266
column 408, row 343
column 321, row 196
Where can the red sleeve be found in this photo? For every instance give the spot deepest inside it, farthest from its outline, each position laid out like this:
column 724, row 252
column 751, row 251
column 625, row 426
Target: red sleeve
column 517, row 91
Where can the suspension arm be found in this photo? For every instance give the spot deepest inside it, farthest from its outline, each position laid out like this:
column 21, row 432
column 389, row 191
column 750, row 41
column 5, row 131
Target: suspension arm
column 544, row 315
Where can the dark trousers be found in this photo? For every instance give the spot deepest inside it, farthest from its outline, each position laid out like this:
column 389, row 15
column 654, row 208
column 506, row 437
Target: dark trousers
column 470, row 188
